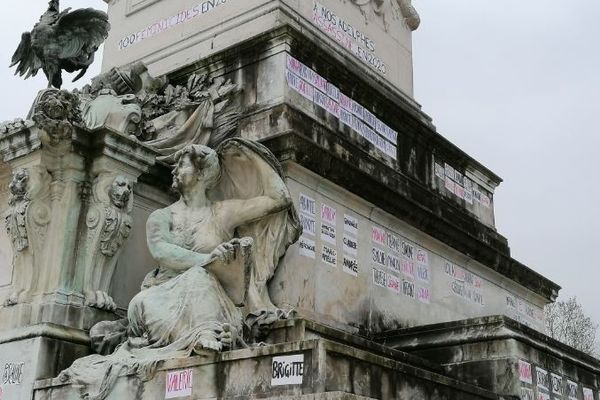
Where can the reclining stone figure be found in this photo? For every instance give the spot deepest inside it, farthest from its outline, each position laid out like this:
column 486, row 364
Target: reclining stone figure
column 216, row 247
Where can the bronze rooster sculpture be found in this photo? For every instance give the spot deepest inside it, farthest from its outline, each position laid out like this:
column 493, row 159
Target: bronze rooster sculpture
column 61, row 41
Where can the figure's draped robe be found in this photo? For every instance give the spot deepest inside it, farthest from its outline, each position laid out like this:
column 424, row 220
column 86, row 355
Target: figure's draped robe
column 174, row 311
column 172, row 314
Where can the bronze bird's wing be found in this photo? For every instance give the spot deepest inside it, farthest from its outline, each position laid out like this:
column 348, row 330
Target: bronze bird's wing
column 80, row 33
column 29, row 63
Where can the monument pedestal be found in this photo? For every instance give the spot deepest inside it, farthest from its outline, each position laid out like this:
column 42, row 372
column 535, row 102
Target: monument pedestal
column 398, row 224
column 335, row 365
column 37, row 352
column 503, row 356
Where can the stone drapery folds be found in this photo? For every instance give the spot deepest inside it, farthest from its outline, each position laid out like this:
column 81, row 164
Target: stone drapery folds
column 166, row 117
column 221, row 243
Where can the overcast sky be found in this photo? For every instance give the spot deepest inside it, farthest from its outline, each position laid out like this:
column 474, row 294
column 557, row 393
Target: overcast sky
column 514, row 83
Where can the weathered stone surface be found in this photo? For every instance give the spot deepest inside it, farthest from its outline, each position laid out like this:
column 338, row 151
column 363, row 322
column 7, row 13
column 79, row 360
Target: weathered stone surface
column 406, row 190
column 382, row 47
column 399, row 224
column 55, row 161
column 37, row 352
column 333, row 368
column 221, row 242
column 487, row 352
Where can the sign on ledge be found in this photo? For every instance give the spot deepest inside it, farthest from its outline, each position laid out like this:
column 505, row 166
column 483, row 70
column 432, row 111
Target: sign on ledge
column 287, row 370
column 179, row 384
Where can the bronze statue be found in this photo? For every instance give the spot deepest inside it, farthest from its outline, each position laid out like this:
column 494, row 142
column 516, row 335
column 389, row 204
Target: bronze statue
column 61, row 40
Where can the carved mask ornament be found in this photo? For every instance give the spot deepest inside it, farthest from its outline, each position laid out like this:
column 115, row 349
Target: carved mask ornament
column 120, row 192
column 117, row 223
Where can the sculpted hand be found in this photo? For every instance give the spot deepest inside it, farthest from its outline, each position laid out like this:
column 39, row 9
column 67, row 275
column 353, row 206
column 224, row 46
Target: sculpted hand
column 224, row 252
column 226, row 336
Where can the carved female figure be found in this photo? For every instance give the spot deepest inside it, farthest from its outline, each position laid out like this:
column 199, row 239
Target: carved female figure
column 216, row 248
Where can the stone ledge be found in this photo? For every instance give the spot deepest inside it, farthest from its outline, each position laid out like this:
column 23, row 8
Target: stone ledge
column 51, row 331
column 368, row 375
column 304, row 329
column 405, row 199
column 326, row 396
column 371, row 90
column 485, row 329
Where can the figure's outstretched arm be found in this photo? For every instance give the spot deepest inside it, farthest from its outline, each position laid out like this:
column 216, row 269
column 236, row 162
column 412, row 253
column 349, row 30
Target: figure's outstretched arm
column 240, row 212
column 163, row 251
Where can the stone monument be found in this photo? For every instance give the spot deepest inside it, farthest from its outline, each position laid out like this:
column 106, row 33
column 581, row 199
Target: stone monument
column 249, row 202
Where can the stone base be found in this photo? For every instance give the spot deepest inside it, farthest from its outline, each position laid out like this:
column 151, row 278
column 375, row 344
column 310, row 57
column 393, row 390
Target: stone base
column 336, row 366
column 488, row 352
column 37, row 352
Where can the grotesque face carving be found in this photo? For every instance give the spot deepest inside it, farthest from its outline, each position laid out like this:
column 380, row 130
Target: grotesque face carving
column 19, row 184
column 196, row 164
column 120, row 192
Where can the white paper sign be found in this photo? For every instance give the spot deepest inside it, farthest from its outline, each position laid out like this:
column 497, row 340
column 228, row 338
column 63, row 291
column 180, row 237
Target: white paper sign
column 309, row 225
column 393, row 283
column 350, row 245
column 526, row 394
column 588, row 394
column 556, row 384
column 393, row 242
column 328, row 234
column 308, row 205
column 379, row 277
column 572, row 390
column 379, row 236
column 179, row 384
column 439, row 171
column 350, row 224
column 378, row 256
column 307, row 247
column 350, row 266
column 287, row 370
column 543, row 380
column 329, row 256
column 328, row 214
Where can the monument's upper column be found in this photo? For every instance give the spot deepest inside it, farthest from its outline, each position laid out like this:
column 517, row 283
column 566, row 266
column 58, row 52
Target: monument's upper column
column 169, row 35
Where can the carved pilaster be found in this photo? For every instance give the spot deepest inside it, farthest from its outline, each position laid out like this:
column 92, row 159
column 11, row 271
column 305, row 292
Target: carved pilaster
column 108, row 224
column 26, row 221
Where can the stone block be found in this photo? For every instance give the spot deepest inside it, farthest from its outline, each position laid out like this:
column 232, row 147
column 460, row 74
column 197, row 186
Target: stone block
column 339, row 367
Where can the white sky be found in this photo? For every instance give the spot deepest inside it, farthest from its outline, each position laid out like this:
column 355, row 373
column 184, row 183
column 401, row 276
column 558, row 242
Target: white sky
column 514, row 83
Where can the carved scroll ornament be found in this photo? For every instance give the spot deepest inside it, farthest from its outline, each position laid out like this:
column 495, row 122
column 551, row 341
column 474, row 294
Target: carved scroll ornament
column 108, row 225
column 26, row 221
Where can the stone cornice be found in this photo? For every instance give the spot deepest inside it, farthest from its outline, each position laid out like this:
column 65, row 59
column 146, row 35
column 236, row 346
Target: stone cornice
column 405, row 198
column 492, row 328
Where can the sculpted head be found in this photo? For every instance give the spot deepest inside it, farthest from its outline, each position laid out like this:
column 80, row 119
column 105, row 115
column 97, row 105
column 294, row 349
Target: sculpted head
column 120, row 192
column 196, row 164
column 20, row 183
